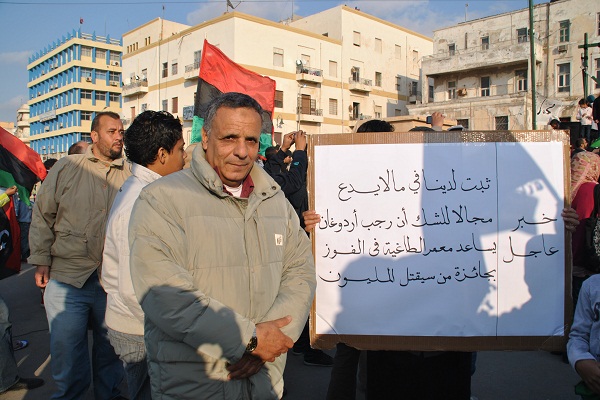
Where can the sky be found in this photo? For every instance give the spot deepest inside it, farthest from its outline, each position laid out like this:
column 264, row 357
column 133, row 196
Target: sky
column 28, row 26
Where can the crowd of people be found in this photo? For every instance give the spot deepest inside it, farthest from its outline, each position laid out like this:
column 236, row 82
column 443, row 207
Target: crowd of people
column 195, row 271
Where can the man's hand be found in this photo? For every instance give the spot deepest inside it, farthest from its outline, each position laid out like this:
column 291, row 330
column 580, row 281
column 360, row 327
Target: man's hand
column 288, row 141
column 570, row 218
column 300, row 140
column 248, row 365
column 437, row 119
column 271, row 341
column 11, row 191
column 42, row 275
column 311, row 219
column 589, row 370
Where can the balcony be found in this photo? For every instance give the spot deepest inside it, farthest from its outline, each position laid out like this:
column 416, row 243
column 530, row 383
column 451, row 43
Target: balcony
column 359, row 117
column 307, row 74
column 192, row 71
column 509, row 53
column 360, row 84
column 136, row 87
column 310, row 114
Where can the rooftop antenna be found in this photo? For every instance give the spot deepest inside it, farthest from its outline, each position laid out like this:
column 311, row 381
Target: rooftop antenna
column 230, row 5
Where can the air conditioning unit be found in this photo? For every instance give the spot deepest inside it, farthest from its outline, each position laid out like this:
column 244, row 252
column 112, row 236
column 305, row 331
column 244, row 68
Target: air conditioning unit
column 47, row 128
column 88, row 79
column 61, row 126
column 562, row 48
column 43, row 72
column 462, row 92
column 114, row 83
column 116, row 63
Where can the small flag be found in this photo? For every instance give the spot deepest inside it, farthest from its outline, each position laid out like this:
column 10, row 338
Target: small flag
column 219, row 74
column 80, row 21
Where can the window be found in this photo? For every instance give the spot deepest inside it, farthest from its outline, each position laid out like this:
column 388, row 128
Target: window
column 398, row 83
column 451, row 90
column 356, row 38
column 522, row 36
column 452, row 49
column 485, row 43
column 521, row 80
column 414, row 88
column 174, row 105
column 100, row 55
column 502, row 123
column 174, row 67
column 397, row 112
column 415, row 58
column 333, row 106
column 355, row 71
column 145, row 74
column 116, row 57
column 132, row 113
column 86, row 73
column 305, row 60
column 165, row 105
column 147, row 41
column 597, row 73
column 398, row 51
column 564, row 31
column 165, row 70
column 277, row 57
column 377, row 78
column 100, row 75
column 431, row 92
column 463, row 122
column 378, row 45
column 378, row 112
column 564, row 78
column 86, row 115
column 279, row 98
column 197, row 56
column 144, row 107
column 86, row 94
column 100, row 95
column 113, row 76
column 86, row 51
column 113, row 96
column 333, row 69
column 485, row 86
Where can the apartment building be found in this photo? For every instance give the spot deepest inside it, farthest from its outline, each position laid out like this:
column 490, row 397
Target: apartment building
column 331, row 69
column 481, row 68
column 70, row 80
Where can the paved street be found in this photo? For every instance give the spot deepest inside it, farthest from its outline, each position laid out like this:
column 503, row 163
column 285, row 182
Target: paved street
column 528, row 375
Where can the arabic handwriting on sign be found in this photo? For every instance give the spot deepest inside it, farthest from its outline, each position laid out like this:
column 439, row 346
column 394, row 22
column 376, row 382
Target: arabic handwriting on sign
column 532, row 253
column 545, row 220
column 482, row 187
column 443, row 187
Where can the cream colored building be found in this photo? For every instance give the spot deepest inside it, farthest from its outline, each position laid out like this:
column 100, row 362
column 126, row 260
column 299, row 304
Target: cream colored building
column 481, row 73
column 22, row 131
column 70, row 80
column 331, row 69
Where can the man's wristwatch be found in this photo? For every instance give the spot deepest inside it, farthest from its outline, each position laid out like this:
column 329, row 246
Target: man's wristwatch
column 252, row 343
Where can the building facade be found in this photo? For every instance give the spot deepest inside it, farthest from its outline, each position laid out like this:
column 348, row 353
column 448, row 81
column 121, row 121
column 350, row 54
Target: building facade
column 71, row 80
column 331, row 69
column 481, row 69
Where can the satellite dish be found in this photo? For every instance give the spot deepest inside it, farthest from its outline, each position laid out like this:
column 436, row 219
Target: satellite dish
column 299, row 63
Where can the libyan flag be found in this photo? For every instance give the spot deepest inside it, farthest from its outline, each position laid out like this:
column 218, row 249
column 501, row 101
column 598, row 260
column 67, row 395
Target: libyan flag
column 22, row 167
column 218, row 75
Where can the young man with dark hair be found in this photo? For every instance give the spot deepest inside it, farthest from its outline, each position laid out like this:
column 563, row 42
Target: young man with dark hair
column 154, row 144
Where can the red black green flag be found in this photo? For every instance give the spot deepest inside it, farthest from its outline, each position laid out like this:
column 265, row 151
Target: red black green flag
column 219, row 74
column 23, row 167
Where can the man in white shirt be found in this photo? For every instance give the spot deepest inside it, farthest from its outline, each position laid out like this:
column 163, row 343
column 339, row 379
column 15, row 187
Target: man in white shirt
column 155, row 146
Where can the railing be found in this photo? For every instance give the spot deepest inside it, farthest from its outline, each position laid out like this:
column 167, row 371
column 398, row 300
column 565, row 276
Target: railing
column 310, row 111
column 362, row 81
column 192, row 67
column 309, row 71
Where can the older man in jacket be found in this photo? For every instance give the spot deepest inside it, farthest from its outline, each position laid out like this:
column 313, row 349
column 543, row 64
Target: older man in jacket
column 220, row 265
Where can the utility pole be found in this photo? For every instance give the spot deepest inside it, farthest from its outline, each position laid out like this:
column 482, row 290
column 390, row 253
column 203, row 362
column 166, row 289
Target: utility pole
column 584, row 61
column 532, row 67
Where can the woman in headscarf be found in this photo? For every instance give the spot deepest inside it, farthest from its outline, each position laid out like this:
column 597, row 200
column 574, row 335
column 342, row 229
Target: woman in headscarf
column 585, row 171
